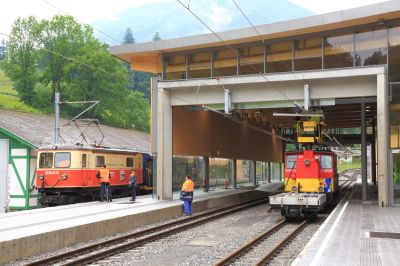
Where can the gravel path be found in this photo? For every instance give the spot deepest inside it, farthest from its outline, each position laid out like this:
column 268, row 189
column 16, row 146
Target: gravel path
column 202, row 245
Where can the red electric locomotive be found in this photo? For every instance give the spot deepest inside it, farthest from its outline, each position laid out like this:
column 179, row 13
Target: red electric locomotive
column 67, row 173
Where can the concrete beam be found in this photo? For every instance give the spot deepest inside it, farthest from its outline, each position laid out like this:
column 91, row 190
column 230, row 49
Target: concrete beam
column 383, row 140
column 326, row 84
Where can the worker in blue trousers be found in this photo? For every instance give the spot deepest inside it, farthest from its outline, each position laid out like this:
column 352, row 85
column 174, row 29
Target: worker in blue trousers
column 187, row 195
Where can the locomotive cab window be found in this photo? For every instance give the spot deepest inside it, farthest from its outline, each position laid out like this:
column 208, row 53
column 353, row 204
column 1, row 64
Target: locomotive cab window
column 291, row 161
column 129, row 162
column 62, row 160
column 326, row 162
column 46, row 160
column 100, row 161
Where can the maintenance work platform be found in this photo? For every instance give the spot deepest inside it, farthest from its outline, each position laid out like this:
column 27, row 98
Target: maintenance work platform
column 289, row 131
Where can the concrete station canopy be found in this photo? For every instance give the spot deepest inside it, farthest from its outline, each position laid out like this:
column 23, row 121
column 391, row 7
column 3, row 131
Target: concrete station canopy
column 147, row 56
column 38, row 130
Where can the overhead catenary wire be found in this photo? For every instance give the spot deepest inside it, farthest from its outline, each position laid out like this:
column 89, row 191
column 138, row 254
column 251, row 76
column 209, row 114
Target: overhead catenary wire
column 83, row 22
column 178, row 98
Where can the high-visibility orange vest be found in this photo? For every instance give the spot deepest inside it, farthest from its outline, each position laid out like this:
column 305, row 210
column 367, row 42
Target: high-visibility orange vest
column 188, row 186
column 104, row 175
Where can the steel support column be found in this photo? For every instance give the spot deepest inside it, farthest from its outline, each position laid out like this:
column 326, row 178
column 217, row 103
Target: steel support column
column 234, row 177
column 255, row 173
column 269, row 172
column 373, row 153
column 364, row 153
column 206, row 178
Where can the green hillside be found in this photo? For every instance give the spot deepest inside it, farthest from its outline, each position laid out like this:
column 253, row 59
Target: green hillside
column 9, row 97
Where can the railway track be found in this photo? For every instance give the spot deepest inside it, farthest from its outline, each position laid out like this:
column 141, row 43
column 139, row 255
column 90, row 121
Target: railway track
column 351, row 179
column 263, row 247
column 94, row 252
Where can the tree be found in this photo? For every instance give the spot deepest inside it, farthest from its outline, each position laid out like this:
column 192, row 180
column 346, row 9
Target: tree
column 62, row 37
column 128, row 37
column 20, row 57
column 156, row 37
column 2, row 49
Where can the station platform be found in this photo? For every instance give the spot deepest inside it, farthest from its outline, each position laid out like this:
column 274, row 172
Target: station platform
column 357, row 233
column 31, row 232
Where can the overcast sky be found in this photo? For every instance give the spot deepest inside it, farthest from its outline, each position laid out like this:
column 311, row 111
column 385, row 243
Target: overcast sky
column 90, row 11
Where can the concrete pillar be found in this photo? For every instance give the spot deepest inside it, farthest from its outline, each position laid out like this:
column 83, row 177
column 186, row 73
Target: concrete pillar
column 164, row 145
column 234, row 178
column 383, row 140
column 373, row 154
column 153, row 130
column 206, row 180
column 254, row 173
column 364, row 166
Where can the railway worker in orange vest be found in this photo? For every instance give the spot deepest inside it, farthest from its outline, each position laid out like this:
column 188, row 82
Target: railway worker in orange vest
column 187, row 195
column 105, row 190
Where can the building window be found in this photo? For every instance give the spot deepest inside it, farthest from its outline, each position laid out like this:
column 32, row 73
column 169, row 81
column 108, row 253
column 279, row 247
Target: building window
column 100, row 161
column 46, row 160
column 224, row 63
column 251, row 60
column 394, row 55
column 199, row 65
column 339, row 51
column 62, row 160
column 308, row 54
column 279, row 57
column 174, row 67
column 371, row 48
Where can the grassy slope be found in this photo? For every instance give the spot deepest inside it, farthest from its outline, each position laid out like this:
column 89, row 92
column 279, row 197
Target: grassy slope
column 9, row 97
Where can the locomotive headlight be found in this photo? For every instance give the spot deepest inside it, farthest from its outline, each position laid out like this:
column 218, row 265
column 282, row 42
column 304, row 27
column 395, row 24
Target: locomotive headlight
column 64, row 176
column 41, row 176
column 306, row 162
column 294, row 188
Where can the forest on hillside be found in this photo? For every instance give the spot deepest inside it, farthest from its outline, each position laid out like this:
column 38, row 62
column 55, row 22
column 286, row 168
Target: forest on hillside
column 42, row 57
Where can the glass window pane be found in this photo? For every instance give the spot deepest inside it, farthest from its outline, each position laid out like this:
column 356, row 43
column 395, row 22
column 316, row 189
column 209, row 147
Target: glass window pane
column 394, row 54
column 62, row 160
column 84, row 161
column 326, row 162
column 308, row 54
column 175, row 67
column 251, row 60
column 371, row 48
column 129, row 162
column 187, row 165
column 291, row 161
column 338, row 51
column 243, row 168
column 279, row 57
column 46, row 160
column 394, row 115
column 100, row 162
column 199, row 65
column 225, row 63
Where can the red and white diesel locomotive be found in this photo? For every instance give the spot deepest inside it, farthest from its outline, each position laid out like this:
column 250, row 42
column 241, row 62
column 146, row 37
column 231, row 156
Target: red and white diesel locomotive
column 66, row 173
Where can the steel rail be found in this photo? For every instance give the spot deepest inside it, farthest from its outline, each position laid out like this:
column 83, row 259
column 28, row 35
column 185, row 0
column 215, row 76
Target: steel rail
column 277, row 247
column 152, row 234
column 240, row 251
